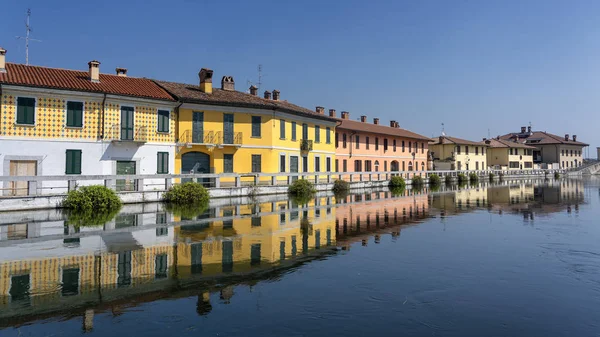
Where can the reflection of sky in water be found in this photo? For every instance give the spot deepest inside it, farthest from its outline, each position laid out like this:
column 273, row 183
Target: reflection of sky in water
column 517, row 259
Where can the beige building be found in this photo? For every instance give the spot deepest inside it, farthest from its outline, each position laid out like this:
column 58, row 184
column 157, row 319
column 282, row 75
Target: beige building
column 563, row 152
column 508, row 155
column 451, row 153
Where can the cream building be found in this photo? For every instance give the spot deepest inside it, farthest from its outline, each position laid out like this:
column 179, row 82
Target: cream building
column 451, row 153
column 508, row 155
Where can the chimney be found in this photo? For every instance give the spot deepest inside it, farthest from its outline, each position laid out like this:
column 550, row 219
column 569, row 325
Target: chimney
column 94, row 71
column 516, row 139
column 227, row 83
column 484, row 139
column 206, row 80
column 2, row 60
column 529, row 129
column 332, row 113
column 363, row 119
column 345, row 115
column 121, row 72
column 566, row 136
column 376, row 121
column 320, row 110
column 397, row 125
column 253, row 90
column 523, row 129
column 276, row 95
column 392, row 124
column 267, row 94
column 441, row 140
column 574, row 138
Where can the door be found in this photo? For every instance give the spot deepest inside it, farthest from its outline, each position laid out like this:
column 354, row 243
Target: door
column 294, row 166
column 126, row 123
column 195, row 162
column 228, row 129
column 198, row 127
column 126, row 168
column 21, row 168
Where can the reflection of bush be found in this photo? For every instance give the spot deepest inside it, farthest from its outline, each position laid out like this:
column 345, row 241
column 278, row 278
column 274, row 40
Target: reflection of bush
column 90, row 218
column 448, row 180
column 340, row 195
column 473, row 177
column 340, row 186
column 462, row 178
column 397, row 191
column 187, row 211
column 492, row 175
column 434, row 188
column 434, row 179
column 556, row 175
column 417, row 182
column 302, row 199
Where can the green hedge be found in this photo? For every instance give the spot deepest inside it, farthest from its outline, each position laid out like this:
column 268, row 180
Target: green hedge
column 190, row 193
column 340, row 186
column 462, row 178
column 473, row 177
column 95, row 198
column 396, row 182
column 417, row 182
column 434, row 180
column 448, row 180
column 301, row 187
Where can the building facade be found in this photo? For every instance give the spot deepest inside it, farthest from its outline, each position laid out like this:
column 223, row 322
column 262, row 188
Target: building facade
column 508, row 155
column 551, row 150
column 451, row 153
column 69, row 122
column 221, row 130
column 365, row 147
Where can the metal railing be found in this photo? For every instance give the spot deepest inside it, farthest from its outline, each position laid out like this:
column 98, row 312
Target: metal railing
column 137, row 134
column 52, row 185
column 189, row 137
column 306, row 145
column 234, row 139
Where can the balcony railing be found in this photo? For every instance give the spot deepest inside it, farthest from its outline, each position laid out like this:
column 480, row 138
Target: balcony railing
column 190, row 137
column 234, row 138
column 306, row 145
column 119, row 134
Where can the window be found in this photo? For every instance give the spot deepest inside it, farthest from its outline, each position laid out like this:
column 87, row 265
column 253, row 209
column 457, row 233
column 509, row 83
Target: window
column 256, row 122
column 385, row 166
column 368, row 166
column 562, row 153
column 75, row 114
column 377, row 165
column 394, row 145
column 160, row 266
column 344, row 140
column 282, row 163
column 228, row 163
column 402, row 146
column 124, row 269
column 345, row 165
column 73, row 165
column 466, row 150
column 476, row 150
column 294, row 131
column 422, row 148
column 70, row 281
column 256, row 221
column 26, row 111
column 477, row 166
column 19, row 287
column 385, row 144
column 513, row 164
column 163, row 121
column 163, row 163
column 367, row 142
column 357, row 166
column 282, row 129
column 328, row 135
column 305, row 131
column 357, row 141
column 337, row 140
column 282, row 250
column 376, row 143
column 317, row 134
column 256, row 163
column 317, row 164
column 528, row 164
column 328, row 164
column 255, row 254
column 410, row 147
column 422, row 166
column 458, row 149
column 337, row 165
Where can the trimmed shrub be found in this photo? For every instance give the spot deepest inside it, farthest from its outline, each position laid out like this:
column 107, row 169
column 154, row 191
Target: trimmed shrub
column 448, row 180
column 434, row 180
column 95, row 198
column 473, row 177
column 340, row 186
column 396, row 182
column 301, row 187
column 417, row 182
column 190, row 193
column 492, row 176
column 462, row 178
column 556, row 175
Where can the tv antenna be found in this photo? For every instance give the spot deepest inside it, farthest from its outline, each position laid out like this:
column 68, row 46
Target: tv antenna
column 443, row 130
column 27, row 38
column 260, row 75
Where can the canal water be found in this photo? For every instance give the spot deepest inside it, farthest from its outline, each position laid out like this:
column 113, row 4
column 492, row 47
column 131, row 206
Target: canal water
column 518, row 258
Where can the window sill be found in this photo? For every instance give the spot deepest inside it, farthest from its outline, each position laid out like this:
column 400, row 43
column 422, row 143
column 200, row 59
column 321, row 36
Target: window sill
column 164, row 132
column 256, row 137
column 74, row 127
column 282, row 139
column 25, row 125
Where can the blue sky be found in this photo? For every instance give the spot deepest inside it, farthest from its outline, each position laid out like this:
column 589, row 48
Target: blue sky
column 473, row 65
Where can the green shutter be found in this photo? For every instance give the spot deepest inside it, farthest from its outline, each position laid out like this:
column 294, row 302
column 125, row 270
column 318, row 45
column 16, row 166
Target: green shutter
column 256, row 122
column 26, row 110
column 73, row 164
column 162, row 163
column 163, row 121
column 74, row 114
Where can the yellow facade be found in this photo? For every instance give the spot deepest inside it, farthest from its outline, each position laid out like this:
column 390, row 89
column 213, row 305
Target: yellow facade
column 501, row 158
column 459, row 157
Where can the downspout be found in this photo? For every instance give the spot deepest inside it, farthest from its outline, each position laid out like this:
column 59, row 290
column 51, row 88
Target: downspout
column 177, row 122
column 103, row 116
column 0, row 103
column 351, row 142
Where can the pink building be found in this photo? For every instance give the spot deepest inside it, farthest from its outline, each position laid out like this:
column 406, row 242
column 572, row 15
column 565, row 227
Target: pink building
column 372, row 147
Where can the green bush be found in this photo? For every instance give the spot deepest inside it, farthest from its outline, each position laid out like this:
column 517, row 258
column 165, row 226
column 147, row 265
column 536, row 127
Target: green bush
column 417, row 182
column 462, row 178
column 301, row 187
column 95, row 198
column 190, row 193
column 448, row 180
column 473, row 177
column 396, row 182
column 340, row 186
column 434, row 179
column 556, row 175
column 492, row 176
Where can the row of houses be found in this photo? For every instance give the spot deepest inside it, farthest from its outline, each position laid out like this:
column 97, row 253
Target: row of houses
column 70, row 122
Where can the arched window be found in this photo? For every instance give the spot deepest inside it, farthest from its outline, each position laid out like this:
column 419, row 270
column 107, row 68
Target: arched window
column 376, row 165
column 410, row 166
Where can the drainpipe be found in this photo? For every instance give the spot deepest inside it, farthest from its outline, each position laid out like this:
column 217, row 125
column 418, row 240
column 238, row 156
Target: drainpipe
column 103, row 117
column 351, row 142
column 0, row 103
column 177, row 122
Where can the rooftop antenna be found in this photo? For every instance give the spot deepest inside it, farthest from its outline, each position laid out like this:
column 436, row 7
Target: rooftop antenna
column 489, row 135
column 443, row 130
column 259, row 84
column 27, row 38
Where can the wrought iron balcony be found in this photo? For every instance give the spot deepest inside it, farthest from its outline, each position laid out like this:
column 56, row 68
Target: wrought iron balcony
column 228, row 139
column 118, row 133
column 204, row 138
column 306, row 145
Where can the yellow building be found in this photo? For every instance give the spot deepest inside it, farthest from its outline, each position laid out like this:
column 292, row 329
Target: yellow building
column 508, row 155
column 451, row 153
column 225, row 131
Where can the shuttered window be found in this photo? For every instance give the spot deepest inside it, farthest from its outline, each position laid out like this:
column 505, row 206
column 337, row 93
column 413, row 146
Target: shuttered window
column 75, row 114
column 317, row 134
column 317, row 164
column 26, row 111
column 293, row 130
column 163, row 121
column 282, row 129
column 73, row 165
column 228, row 163
column 256, row 163
column 256, row 121
column 163, row 163
column 328, row 135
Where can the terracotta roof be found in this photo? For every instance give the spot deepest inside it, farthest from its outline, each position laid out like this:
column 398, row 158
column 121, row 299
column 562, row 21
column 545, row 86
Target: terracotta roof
column 453, row 140
column 499, row 143
column 190, row 93
column 75, row 80
column 541, row 137
column 377, row 128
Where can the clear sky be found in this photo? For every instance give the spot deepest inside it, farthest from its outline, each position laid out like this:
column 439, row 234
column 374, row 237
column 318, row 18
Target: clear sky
column 473, row 65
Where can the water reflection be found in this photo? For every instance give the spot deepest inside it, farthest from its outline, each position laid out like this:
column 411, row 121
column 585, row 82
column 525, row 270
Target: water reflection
column 51, row 268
